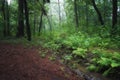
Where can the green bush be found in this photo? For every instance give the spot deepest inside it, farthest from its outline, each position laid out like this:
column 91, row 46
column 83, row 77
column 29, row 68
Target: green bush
column 81, row 43
column 105, row 62
column 79, row 52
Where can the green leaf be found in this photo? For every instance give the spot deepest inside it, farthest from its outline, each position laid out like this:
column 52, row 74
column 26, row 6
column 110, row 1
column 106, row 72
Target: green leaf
column 68, row 57
column 92, row 67
column 80, row 52
column 104, row 61
column 113, row 64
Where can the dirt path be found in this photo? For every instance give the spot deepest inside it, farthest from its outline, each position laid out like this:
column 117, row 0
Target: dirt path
column 20, row 63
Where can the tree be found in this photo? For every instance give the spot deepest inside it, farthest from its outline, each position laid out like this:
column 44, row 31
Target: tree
column 59, row 12
column 28, row 30
column 23, row 11
column 40, row 25
column 98, row 12
column 20, row 29
column 8, row 19
column 46, row 1
column 114, row 18
column 86, row 11
column 6, row 22
column 76, row 13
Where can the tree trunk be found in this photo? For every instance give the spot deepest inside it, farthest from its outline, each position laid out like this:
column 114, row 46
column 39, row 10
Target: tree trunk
column 28, row 30
column 4, row 18
column 8, row 19
column 5, row 11
column 76, row 13
column 86, row 11
column 20, row 29
column 114, row 18
column 104, row 11
column 34, row 29
column 98, row 12
column 59, row 13
column 40, row 25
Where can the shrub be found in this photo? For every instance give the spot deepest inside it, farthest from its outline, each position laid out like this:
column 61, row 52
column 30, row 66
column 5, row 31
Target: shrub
column 105, row 62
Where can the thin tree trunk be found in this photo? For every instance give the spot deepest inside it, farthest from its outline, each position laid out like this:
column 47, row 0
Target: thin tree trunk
column 28, row 30
column 104, row 11
column 86, row 13
column 98, row 12
column 114, row 18
column 34, row 29
column 59, row 13
column 76, row 13
column 79, row 11
column 7, row 19
column 5, row 11
column 40, row 25
column 20, row 29
column 4, row 17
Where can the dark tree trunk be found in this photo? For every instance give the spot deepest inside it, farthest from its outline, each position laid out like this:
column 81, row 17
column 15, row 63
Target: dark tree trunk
column 76, row 13
column 34, row 29
column 79, row 11
column 5, row 11
column 28, row 30
column 104, row 11
column 86, row 11
column 45, row 13
column 4, row 18
column 114, row 18
column 8, row 18
column 20, row 29
column 40, row 25
column 98, row 12
column 46, row 1
column 59, row 13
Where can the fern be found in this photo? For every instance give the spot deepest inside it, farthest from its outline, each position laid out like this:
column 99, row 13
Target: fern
column 80, row 52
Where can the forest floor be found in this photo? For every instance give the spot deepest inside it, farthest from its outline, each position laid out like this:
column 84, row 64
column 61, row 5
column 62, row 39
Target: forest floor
column 18, row 62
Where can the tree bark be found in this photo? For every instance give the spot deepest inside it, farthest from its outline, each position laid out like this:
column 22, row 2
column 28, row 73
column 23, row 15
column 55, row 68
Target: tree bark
column 34, row 29
column 76, row 13
column 98, row 12
column 4, row 18
column 6, row 22
column 86, row 11
column 28, row 30
column 20, row 29
column 114, row 18
column 40, row 25
column 8, row 18
column 59, row 13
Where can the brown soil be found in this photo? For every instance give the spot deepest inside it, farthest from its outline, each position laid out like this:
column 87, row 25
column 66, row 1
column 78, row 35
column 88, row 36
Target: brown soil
column 18, row 62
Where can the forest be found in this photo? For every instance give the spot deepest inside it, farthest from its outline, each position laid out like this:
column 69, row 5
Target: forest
column 59, row 39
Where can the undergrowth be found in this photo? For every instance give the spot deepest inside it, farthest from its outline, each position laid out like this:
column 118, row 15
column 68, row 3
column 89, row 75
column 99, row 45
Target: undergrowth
column 101, row 54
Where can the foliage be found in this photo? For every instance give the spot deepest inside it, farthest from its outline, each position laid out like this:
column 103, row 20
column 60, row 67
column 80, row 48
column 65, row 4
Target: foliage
column 89, row 37
column 106, row 62
column 68, row 57
column 80, row 52
column 102, row 60
column 52, row 45
column 52, row 58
